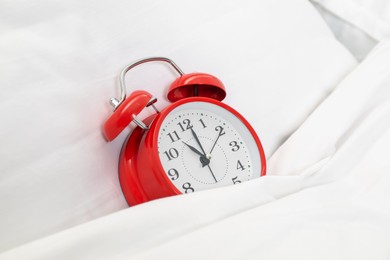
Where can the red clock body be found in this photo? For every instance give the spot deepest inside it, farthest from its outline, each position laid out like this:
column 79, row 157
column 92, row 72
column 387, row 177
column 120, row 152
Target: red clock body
column 141, row 172
column 195, row 143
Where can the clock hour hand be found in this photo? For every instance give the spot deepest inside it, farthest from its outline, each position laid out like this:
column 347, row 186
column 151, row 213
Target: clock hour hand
column 193, row 149
column 203, row 158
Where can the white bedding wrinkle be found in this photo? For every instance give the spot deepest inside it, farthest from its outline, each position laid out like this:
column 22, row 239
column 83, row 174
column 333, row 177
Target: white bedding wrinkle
column 355, row 39
column 360, row 92
column 371, row 16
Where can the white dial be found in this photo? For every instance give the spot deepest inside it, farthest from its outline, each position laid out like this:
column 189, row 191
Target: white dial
column 202, row 145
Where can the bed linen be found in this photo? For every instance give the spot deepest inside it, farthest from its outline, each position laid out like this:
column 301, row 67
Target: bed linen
column 352, row 37
column 371, row 16
column 358, row 24
column 326, row 196
column 58, row 68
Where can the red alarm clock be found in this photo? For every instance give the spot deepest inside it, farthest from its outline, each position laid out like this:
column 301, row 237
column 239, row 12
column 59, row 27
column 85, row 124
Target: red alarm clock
column 195, row 143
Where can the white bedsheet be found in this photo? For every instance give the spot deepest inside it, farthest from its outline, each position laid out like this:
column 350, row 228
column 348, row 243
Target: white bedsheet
column 58, row 68
column 59, row 62
column 327, row 195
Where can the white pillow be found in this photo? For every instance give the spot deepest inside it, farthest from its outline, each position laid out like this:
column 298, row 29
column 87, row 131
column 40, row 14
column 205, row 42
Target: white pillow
column 59, row 67
column 371, row 16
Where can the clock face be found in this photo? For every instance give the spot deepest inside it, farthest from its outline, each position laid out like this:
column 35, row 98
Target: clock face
column 202, row 145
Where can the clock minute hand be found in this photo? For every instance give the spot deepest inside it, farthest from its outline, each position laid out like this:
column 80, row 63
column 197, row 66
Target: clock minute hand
column 204, row 153
column 197, row 140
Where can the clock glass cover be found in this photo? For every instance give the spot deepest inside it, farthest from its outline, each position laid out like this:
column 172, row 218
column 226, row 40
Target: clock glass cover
column 202, row 145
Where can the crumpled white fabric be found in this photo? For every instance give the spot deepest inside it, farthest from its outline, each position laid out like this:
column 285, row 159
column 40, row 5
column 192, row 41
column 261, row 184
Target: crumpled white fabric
column 358, row 24
column 326, row 196
column 59, row 66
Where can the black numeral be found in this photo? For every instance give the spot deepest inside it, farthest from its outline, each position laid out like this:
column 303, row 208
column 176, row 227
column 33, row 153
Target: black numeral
column 240, row 166
column 185, row 125
column 187, row 187
column 220, row 129
column 173, row 173
column 172, row 153
column 201, row 121
column 174, row 136
column 235, row 146
column 235, row 180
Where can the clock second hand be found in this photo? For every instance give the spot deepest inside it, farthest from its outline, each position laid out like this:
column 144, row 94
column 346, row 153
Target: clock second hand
column 208, row 165
column 216, row 140
column 204, row 153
